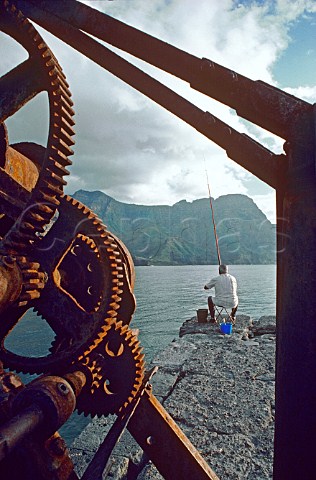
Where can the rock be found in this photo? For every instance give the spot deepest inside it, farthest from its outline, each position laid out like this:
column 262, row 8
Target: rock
column 265, row 325
column 220, row 391
column 86, row 445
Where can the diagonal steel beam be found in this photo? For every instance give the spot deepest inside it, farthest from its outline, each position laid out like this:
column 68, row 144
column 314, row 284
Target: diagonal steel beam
column 166, row 445
column 256, row 101
column 18, row 87
column 239, row 147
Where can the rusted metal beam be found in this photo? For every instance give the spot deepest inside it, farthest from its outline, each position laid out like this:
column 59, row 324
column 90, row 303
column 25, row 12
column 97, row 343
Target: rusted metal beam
column 166, row 445
column 100, row 465
column 295, row 419
column 18, row 87
column 258, row 102
column 240, row 148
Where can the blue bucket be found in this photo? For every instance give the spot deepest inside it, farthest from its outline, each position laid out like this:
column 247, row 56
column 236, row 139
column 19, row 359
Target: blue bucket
column 226, row 328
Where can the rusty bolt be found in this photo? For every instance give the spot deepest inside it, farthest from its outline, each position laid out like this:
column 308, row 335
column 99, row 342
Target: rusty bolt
column 63, row 389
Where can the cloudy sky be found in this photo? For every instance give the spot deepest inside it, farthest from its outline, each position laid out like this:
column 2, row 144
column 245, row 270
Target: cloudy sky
column 132, row 149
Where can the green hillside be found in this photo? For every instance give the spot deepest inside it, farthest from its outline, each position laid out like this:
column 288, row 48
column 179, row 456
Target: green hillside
column 182, row 234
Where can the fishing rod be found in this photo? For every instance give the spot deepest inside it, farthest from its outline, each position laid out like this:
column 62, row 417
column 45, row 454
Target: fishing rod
column 213, row 220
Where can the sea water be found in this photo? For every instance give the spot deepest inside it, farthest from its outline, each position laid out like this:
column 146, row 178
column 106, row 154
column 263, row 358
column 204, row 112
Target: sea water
column 166, row 296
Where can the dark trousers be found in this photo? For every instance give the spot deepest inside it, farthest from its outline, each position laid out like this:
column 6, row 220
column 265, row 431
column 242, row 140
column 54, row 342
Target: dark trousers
column 211, row 308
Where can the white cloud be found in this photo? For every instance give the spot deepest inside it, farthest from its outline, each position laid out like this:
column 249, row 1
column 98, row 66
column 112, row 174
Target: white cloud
column 305, row 93
column 137, row 152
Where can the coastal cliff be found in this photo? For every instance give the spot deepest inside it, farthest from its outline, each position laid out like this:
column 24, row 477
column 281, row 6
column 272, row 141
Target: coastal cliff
column 220, row 391
column 182, row 234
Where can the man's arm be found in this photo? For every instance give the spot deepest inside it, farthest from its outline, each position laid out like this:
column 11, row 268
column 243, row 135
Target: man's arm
column 210, row 284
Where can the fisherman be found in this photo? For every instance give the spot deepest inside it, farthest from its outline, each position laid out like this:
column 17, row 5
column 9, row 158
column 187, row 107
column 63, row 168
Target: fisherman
column 225, row 293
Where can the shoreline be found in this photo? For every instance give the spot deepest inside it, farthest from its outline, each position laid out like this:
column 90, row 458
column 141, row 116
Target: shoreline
column 220, row 391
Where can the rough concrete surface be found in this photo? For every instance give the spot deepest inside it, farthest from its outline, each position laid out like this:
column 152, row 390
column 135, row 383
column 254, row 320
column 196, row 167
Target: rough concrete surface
column 220, row 391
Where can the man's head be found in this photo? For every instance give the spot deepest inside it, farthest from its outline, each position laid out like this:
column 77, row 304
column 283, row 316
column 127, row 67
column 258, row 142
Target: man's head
column 223, row 269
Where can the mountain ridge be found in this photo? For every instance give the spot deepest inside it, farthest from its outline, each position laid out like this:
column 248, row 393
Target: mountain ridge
column 182, row 234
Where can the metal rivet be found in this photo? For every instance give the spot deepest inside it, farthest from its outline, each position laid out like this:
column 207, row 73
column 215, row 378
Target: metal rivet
column 63, row 389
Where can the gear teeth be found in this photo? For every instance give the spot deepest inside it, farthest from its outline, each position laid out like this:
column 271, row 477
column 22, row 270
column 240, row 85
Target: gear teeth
column 129, row 335
column 62, row 146
column 35, row 283
column 85, row 348
column 119, row 325
column 51, row 192
column 64, row 124
column 64, row 113
column 35, row 217
column 123, row 329
column 58, row 169
column 116, row 298
column 140, row 357
column 28, row 297
column 63, row 86
column 47, row 195
column 50, row 182
column 131, row 366
column 134, row 340
column 114, row 306
column 56, row 180
column 105, row 328
column 59, row 132
column 117, row 290
column 43, row 209
column 58, row 156
column 61, row 93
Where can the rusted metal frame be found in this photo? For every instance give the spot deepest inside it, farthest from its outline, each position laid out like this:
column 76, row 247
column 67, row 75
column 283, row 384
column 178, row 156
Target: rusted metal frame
column 295, row 423
column 18, row 87
column 166, row 445
column 256, row 101
column 240, row 148
column 100, row 465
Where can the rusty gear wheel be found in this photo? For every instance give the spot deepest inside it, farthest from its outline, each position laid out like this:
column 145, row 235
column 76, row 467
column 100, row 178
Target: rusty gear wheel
column 116, row 371
column 32, row 206
column 86, row 278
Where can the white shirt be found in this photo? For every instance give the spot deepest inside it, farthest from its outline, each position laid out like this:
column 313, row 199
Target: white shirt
column 225, row 290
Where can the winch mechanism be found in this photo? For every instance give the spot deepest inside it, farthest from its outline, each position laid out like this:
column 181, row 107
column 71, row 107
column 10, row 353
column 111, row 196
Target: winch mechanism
column 58, row 260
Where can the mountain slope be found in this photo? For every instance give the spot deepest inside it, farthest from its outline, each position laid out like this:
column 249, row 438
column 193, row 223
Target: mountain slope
column 182, row 234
